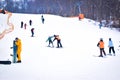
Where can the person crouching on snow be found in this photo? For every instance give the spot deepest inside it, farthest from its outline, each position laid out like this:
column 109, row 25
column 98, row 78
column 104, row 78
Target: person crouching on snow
column 56, row 37
column 101, row 46
column 19, row 48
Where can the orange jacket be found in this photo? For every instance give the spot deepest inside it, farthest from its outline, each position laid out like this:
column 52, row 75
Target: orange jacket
column 101, row 44
column 19, row 46
column 57, row 38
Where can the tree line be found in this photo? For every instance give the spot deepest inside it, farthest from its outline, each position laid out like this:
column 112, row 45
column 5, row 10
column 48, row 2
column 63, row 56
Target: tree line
column 93, row 9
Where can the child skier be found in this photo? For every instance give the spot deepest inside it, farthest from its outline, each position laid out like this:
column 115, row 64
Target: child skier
column 101, row 46
column 50, row 41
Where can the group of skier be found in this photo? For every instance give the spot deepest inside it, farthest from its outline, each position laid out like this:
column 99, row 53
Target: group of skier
column 101, row 46
column 30, row 23
column 56, row 37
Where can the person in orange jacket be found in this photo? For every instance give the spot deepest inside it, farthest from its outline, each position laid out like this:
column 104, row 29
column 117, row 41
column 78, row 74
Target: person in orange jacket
column 19, row 48
column 101, row 46
column 56, row 37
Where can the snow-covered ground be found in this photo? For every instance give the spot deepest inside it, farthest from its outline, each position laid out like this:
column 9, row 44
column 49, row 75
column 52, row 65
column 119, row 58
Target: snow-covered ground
column 75, row 61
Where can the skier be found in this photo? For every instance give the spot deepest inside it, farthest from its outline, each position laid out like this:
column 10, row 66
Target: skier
column 14, row 55
column 50, row 41
column 101, row 46
column 25, row 25
column 30, row 22
column 42, row 18
column 100, row 24
column 21, row 24
column 32, row 32
column 111, row 46
column 56, row 37
column 19, row 48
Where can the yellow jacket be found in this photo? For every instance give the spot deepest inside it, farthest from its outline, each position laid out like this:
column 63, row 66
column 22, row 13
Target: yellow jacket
column 19, row 46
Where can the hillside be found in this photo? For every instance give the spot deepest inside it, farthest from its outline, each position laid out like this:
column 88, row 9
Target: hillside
column 75, row 61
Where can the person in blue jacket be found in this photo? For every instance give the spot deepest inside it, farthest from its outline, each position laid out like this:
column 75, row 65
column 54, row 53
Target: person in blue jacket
column 14, row 52
column 111, row 47
column 100, row 25
column 50, row 41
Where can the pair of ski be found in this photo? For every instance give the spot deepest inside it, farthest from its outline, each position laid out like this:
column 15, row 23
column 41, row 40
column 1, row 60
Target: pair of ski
column 103, row 56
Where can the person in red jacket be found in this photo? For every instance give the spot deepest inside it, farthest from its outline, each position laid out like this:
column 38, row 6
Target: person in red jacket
column 101, row 46
column 56, row 37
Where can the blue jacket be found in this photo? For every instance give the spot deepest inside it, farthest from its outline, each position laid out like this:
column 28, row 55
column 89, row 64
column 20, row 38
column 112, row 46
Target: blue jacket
column 110, row 44
column 14, row 48
column 49, row 38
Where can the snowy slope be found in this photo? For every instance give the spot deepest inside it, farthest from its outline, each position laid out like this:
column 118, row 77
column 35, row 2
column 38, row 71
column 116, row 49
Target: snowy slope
column 75, row 61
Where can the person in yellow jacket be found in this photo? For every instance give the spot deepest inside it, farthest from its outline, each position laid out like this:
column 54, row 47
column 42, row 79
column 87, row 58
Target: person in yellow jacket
column 19, row 48
column 101, row 46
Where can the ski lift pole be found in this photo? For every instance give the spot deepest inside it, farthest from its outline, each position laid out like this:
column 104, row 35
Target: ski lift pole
column 79, row 9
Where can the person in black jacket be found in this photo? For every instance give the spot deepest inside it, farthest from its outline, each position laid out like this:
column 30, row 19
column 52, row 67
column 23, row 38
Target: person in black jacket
column 30, row 22
column 42, row 18
column 32, row 31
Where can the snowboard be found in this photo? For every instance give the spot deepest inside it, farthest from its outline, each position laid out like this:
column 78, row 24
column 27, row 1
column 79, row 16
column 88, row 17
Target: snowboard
column 5, row 62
